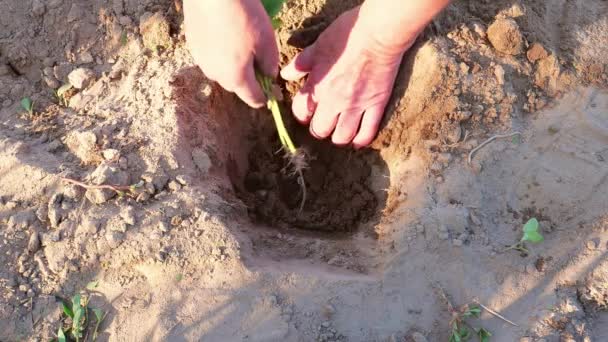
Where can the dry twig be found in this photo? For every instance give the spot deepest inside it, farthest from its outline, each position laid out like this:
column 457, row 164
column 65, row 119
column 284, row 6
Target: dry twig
column 498, row 136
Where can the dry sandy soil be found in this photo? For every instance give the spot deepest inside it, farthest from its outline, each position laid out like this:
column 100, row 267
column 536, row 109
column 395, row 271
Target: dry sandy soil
column 209, row 246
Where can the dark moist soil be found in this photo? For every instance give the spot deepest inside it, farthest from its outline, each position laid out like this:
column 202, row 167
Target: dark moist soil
column 338, row 197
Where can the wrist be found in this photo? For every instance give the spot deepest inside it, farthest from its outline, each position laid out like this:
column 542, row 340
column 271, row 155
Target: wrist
column 393, row 25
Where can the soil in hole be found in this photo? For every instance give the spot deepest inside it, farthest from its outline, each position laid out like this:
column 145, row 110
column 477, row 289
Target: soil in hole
column 339, row 197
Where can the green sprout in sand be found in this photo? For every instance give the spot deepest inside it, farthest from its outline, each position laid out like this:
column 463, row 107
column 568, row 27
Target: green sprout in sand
column 530, row 234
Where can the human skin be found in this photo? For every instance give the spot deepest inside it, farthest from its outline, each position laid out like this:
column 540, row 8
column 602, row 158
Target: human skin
column 351, row 68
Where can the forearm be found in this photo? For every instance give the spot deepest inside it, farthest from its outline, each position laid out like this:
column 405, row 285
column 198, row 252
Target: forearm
column 391, row 23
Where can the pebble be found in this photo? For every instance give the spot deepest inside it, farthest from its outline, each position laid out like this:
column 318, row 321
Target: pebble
column 110, row 154
column 33, row 244
column 184, row 180
column 154, row 29
column 457, row 242
column 201, row 160
column 174, row 186
column 593, row 244
column 128, row 215
column 505, row 36
column 163, row 227
column 81, row 78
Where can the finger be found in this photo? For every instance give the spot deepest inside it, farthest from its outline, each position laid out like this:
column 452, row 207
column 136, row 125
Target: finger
column 323, row 121
column 267, row 56
column 369, row 126
column 300, row 65
column 346, row 128
column 303, row 106
column 248, row 88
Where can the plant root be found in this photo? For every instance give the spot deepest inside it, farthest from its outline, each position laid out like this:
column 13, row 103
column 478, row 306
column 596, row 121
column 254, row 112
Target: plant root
column 119, row 189
column 498, row 136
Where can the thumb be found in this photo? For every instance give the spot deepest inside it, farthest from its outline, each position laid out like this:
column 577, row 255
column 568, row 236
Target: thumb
column 300, row 65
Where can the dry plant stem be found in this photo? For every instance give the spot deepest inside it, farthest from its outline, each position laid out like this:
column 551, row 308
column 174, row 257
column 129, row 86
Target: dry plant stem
column 495, row 313
column 116, row 188
column 499, row 136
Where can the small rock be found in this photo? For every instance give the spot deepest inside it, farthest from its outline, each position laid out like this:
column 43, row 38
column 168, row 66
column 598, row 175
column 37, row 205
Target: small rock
column 154, row 29
column 536, row 52
column 34, row 243
column 114, row 239
column 38, row 8
column 128, row 215
column 88, row 226
column 184, row 180
column 457, row 242
column 83, row 145
column 55, row 213
column 123, row 163
column 81, row 78
column 86, row 58
column 174, row 186
column 499, row 72
column 201, row 160
column 117, row 225
column 163, row 227
column 505, row 36
column 593, row 244
column 51, row 82
column 110, row 154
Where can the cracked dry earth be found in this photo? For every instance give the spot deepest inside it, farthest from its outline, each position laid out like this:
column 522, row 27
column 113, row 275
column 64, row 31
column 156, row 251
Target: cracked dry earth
column 203, row 241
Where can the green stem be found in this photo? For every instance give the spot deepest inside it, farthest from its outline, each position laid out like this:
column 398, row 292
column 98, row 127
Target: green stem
column 273, row 106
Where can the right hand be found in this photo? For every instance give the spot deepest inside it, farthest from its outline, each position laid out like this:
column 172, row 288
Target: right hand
column 228, row 39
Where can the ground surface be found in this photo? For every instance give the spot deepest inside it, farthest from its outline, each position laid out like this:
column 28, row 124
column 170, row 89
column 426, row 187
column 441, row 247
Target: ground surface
column 210, row 245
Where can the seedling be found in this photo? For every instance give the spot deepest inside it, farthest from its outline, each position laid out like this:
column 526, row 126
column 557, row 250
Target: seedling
column 28, row 105
column 460, row 330
column 62, row 94
column 296, row 157
column 78, row 313
column 530, row 234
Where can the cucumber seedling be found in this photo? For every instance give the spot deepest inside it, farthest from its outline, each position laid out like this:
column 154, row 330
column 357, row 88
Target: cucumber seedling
column 296, row 157
column 76, row 315
column 530, row 234
column 28, row 105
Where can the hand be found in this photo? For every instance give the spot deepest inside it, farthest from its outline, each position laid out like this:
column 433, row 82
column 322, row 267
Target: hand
column 350, row 80
column 228, row 39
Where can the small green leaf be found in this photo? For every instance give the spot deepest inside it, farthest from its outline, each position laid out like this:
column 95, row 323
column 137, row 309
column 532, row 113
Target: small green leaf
column 179, row 277
column 272, row 7
column 534, row 237
column 98, row 314
column 61, row 335
column 483, row 334
column 464, row 333
column 64, row 89
column 27, row 104
column 516, row 139
column 92, row 285
column 473, row 310
column 66, row 310
column 531, row 232
column 276, row 23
